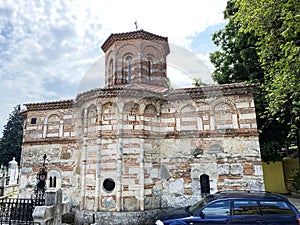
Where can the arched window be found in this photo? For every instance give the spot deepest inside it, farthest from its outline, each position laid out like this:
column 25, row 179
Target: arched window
column 150, row 67
column 128, row 67
column 204, row 184
column 188, row 118
column 110, row 72
column 130, row 114
column 223, row 116
column 53, row 126
column 52, row 182
column 151, row 122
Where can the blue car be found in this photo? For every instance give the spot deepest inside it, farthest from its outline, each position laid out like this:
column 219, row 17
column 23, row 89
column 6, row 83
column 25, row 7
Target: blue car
column 234, row 207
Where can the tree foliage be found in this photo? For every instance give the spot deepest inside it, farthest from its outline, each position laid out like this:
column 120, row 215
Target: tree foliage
column 197, row 82
column 237, row 61
column 260, row 44
column 11, row 142
column 277, row 25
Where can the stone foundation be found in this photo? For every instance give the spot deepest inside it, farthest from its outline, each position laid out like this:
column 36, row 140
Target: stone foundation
column 114, row 218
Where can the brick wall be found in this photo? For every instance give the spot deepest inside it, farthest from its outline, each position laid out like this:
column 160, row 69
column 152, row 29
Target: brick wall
column 152, row 150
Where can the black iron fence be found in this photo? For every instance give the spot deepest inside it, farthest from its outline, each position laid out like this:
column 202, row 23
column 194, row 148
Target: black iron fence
column 16, row 211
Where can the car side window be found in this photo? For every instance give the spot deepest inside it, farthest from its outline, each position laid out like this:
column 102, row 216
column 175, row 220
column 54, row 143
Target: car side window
column 275, row 208
column 245, row 208
column 220, row 208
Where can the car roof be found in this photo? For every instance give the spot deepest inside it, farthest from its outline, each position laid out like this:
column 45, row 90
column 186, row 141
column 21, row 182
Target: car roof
column 255, row 195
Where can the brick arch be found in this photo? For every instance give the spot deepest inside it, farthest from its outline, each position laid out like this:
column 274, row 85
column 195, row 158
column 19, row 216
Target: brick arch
column 109, row 112
column 122, row 74
column 149, row 110
column 54, row 116
column 131, row 105
column 154, row 69
column 126, row 72
column 53, row 125
column 110, row 65
column 109, row 56
column 223, row 101
column 188, row 117
column 131, row 114
column 92, row 114
column 107, row 101
column 187, row 108
column 151, row 50
column 113, row 102
column 127, row 49
column 150, row 57
column 222, row 112
column 111, row 78
column 151, row 121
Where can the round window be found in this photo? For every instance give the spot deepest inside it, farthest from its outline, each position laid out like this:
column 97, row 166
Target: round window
column 109, row 185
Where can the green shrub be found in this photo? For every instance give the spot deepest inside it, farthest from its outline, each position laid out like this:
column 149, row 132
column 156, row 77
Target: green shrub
column 296, row 182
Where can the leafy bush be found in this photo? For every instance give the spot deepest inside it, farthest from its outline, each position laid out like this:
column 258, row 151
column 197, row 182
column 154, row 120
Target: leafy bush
column 296, row 182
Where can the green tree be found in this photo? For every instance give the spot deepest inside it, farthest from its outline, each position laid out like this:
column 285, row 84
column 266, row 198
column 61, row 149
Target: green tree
column 277, row 25
column 11, row 142
column 237, row 61
column 197, row 82
column 240, row 61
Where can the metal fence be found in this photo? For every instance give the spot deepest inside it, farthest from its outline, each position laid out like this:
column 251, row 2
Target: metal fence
column 16, row 211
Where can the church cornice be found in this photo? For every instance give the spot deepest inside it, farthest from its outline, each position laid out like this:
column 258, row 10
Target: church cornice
column 134, row 35
column 146, row 91
column 63, row 104
column 213, row 91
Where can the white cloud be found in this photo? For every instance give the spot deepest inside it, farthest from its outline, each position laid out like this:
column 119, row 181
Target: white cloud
column 46, row 47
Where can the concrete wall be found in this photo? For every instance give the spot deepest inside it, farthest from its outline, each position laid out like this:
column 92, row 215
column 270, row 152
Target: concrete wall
column 290, row 167
column 274, row 177
column 278, row 176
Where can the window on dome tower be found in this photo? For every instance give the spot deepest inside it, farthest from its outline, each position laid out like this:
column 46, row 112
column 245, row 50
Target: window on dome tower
column 128, row 69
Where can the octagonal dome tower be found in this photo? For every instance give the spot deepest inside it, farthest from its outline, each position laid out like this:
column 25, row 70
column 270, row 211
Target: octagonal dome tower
column 137, row 57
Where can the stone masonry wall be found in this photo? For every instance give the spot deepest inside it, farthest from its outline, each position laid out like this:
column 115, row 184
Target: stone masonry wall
column 129, row 154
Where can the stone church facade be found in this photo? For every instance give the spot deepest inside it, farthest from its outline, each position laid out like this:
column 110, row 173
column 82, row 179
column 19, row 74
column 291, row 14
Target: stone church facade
column 136, row 144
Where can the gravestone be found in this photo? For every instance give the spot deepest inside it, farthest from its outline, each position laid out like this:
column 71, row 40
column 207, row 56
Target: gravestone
column 13, row 172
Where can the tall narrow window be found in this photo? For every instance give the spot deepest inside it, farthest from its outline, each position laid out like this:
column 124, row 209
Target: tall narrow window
column 128, row 70
column 149, row 70
column 204, row 184
column 52, row 182
column 110, row 73
column 150, row 67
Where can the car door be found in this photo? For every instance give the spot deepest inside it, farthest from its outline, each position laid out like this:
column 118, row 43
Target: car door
column 246, row 212
column 277, row 213
column 216, row 213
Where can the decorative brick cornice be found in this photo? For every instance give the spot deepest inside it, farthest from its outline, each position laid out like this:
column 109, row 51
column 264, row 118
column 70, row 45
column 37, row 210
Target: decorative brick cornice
column 146, row 91
column 213, row 91
column 63, row 104
column 134, row 35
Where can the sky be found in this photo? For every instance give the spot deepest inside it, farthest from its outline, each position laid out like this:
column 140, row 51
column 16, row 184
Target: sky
column 49, row 49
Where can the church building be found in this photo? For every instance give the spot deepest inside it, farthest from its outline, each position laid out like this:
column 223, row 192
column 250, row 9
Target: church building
column 137, row 144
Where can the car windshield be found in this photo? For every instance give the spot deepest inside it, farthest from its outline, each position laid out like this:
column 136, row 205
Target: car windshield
column 194, row 208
